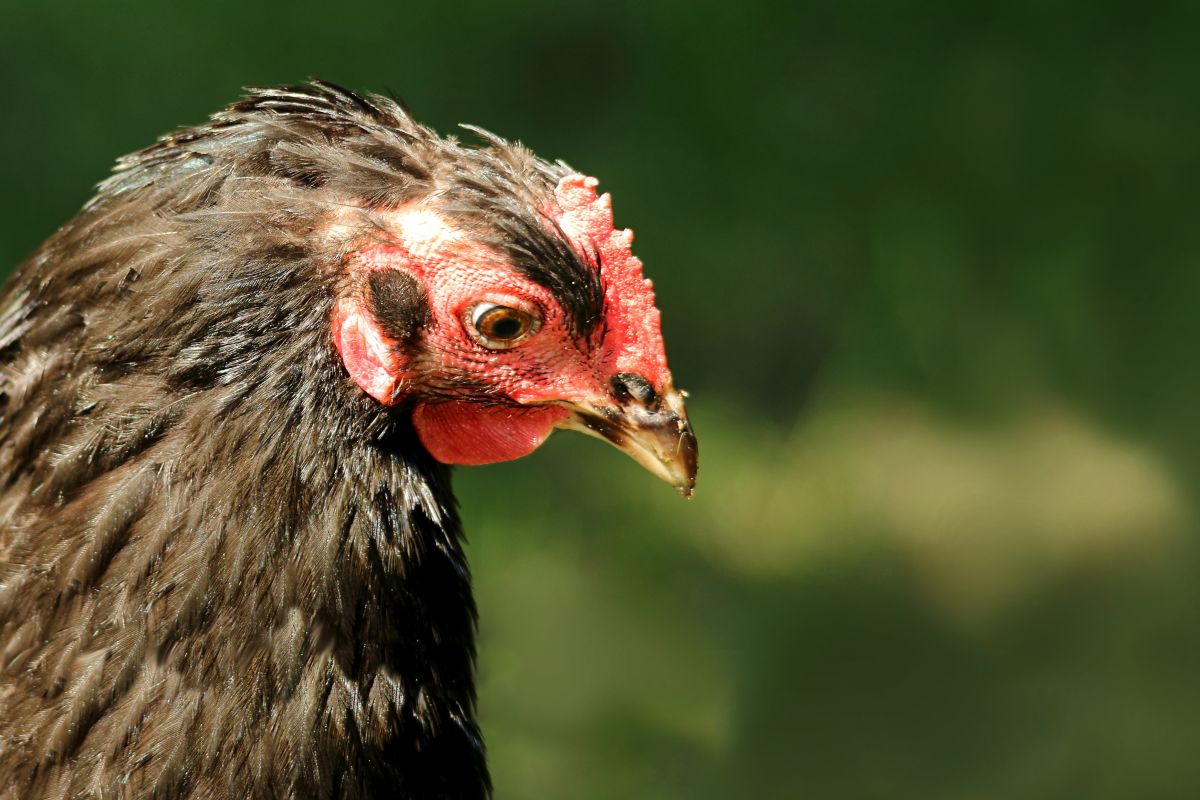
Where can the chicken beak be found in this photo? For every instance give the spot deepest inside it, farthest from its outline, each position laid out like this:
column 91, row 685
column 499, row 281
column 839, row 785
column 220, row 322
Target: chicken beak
column 651, row 427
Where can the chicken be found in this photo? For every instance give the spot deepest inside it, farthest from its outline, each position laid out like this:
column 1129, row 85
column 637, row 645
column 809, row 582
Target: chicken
column 231, row 564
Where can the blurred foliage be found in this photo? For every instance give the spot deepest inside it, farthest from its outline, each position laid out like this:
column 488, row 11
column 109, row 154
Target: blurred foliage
column 929, row 272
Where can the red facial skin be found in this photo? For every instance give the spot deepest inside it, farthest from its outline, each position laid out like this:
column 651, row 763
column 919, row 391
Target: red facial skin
column 528, row 382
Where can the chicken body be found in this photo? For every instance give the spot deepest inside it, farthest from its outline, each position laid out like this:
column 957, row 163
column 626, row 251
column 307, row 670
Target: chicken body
column 230, row 560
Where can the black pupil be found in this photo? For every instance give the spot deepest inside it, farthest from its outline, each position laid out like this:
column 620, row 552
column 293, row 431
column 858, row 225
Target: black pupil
column 503, row 324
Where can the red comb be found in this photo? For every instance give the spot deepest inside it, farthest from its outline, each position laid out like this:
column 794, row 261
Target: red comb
column 634, row 327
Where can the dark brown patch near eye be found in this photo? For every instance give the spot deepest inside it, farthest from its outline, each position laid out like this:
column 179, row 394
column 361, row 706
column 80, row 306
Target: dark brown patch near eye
column 398, row 304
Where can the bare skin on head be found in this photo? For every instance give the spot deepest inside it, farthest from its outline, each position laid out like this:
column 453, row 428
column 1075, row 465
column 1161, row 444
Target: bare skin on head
column 541, row 376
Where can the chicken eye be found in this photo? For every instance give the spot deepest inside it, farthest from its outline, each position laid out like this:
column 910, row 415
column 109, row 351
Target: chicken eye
column 501, row 327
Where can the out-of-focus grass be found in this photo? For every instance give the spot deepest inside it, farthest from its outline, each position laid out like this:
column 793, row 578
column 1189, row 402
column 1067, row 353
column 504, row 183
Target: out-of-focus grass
column 983, row 514
column 875, row 601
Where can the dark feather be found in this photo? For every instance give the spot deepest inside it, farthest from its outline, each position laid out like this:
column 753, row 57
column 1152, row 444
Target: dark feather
column 224, row 570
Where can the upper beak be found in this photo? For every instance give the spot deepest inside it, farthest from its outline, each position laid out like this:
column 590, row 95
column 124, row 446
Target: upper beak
column 651, row 427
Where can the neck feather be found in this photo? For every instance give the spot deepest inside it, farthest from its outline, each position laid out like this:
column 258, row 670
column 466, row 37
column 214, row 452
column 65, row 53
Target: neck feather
column 221, row 565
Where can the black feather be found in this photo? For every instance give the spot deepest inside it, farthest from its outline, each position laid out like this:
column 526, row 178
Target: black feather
column 399, row 305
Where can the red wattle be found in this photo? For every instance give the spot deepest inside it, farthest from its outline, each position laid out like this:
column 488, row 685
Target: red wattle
column 474, row 433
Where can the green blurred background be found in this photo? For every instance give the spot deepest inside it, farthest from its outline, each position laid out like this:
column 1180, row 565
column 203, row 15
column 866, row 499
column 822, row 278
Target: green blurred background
column 929, row 271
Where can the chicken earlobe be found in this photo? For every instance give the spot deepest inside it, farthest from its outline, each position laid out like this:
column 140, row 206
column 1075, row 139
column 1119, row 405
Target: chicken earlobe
column 372, row 361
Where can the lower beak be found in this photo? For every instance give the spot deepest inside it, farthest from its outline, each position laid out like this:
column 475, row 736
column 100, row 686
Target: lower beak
column 653, row 429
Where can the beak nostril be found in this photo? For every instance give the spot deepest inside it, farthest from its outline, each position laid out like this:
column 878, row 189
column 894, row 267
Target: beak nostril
column 630, row 385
